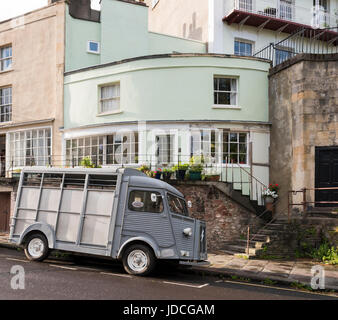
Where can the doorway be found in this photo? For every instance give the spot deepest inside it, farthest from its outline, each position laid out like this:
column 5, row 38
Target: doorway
column 5, row 205
column 2, row 155
column 326, row 176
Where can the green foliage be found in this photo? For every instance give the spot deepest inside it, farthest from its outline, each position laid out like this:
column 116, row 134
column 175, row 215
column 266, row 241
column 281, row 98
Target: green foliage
column 144, row 168
column 301, row 286
column 196, row 163
column 181, row 166
column 87, row 163
column 269, row 282
column 326, row 253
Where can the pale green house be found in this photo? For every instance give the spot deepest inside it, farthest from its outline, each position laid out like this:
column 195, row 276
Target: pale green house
column 133, row 97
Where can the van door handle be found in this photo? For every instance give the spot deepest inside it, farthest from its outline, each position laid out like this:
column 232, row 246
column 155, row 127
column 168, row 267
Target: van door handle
column 187, row 232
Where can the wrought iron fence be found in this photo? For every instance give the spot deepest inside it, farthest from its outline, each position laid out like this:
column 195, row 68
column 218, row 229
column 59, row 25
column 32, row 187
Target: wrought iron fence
column 229, row 171
column 305, row 40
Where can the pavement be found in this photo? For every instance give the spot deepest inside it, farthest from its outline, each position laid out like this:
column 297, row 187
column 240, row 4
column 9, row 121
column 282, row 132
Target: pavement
column 267, row 271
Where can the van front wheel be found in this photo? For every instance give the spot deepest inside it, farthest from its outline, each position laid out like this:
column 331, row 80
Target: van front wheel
column 138, row 260
column 36, row 247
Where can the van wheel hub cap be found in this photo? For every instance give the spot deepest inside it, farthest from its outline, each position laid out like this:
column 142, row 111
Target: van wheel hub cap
column 137, row 260
column 36, row 248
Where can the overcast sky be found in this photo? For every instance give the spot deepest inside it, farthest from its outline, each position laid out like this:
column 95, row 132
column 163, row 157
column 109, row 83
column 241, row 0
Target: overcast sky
column 13, row 8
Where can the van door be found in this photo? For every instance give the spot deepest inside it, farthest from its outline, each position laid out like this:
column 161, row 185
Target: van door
column 146, row 217
column 183, row 226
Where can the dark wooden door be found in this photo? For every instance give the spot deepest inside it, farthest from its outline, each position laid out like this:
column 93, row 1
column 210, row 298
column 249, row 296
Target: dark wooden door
column 326, row 175
column 5, row 198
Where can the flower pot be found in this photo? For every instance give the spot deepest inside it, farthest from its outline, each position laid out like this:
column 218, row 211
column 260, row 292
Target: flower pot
column 269, row 200
column 214, row 178
column 166, row 175
column 180, row 174
column 195, row 175
column 158, row 175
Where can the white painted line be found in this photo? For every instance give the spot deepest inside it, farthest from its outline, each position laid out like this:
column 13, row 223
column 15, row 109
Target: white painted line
column 187, row 285
column 13, row 259
column 279, row 288
column 62, row 267
column 116, row 274
column 85, row 268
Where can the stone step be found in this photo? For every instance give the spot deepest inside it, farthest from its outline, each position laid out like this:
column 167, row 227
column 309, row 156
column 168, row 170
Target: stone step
column 253, row 244
column 240, row 249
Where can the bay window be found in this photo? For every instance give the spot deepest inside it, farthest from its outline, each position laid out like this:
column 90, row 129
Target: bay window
column 113, row 149
column 220, row 146
column 30, row 148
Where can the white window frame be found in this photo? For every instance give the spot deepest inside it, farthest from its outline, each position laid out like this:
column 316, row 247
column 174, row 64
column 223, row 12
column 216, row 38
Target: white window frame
column 103, row 113
column 92, row 51
column 10, row 105
column 7, row 58
column 175, row 152
column 10, row 151
column 226, row 106
column 247, row 42
column 77, row 158
column 205, row 147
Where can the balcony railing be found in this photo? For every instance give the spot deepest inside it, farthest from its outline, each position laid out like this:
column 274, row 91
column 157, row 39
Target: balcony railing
column 315, row 16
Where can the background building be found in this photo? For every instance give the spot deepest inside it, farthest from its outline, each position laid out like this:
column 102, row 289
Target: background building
column 140, row 99
column 31, row 93
column 240, row 27
column 303, row 111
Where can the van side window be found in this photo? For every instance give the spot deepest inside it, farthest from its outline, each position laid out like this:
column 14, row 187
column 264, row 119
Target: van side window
column 145, row 201
column 177, row 205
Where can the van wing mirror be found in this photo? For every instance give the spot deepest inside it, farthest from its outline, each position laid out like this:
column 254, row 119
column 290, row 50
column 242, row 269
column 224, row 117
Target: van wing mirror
column 189, row 204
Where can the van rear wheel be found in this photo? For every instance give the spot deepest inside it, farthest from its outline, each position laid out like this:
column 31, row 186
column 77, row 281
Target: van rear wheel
column 139, row 260
column 36, row 247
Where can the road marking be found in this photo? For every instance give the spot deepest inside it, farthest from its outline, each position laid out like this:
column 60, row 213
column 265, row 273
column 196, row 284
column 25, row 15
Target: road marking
column 277, row 288
column 85, row 268
column 62, row 267
column 116, row 274
column 187, row 285
column 13, row 259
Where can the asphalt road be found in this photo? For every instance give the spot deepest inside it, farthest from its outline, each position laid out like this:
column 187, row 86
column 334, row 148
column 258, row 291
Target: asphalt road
column 60, row 280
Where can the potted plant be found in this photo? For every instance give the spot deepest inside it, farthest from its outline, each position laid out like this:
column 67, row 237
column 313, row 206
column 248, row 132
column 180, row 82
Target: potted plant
column 158, row 173
column 270, row 195
column 16, row 173
column 196, row 168
column 166, row 173
column 212, row 175
column 144, row 168
column 88, row 163
column 180, row 170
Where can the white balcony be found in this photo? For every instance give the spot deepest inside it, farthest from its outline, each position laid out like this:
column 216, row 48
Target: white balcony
column 278, row 14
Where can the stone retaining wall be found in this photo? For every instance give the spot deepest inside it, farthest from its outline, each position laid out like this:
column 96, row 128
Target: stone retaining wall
column 226, row 219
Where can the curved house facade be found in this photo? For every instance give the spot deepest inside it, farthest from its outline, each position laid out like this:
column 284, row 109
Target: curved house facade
column 164, row 109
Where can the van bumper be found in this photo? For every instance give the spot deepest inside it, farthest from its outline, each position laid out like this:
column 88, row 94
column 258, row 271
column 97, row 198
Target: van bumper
column 195, row 263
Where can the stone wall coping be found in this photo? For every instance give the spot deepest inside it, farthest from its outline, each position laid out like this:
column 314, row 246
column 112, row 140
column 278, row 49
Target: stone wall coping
column 303, row 57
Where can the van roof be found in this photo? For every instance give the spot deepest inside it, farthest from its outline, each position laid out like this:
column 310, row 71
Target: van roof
column 146, row 182
column 136, row 177
column 124, row 171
